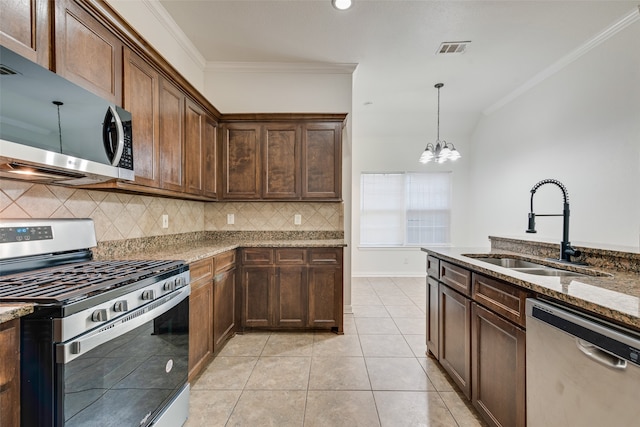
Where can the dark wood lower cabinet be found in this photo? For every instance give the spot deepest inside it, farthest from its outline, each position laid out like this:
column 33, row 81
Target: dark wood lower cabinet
column 200, row 316
column 498, row 371
column 10, row 373
column 291, row 295
column 455, row 337
column 325, row 298
column 224, row 304
column 433, row 303
column 292, row 288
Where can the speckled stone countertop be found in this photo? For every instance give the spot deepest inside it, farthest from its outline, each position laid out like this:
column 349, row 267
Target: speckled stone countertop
column 14, row 310
column 610, row 292
column 196, row 246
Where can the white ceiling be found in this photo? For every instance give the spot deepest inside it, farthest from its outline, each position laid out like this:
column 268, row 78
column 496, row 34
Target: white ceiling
column 394, row 43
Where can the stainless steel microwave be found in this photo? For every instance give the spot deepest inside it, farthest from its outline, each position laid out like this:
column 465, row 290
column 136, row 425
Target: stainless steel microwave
column 53, row 131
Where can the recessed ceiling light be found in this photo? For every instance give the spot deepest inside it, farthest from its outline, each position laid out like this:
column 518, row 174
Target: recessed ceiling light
column 341, row 4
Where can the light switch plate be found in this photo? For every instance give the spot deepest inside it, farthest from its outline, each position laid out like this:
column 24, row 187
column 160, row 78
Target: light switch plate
column 297, row 219
column 231, row 219
column 165, row 221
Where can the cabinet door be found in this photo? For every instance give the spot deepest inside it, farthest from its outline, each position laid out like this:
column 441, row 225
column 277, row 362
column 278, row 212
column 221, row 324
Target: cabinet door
column 241, row 161
column 455, row 337
column 24, row 28
column 210, row 158
column 141, row 98
column 281, row 156
column 171, row 136
column 322, row 160
column 224, row 303
column 291, row 296
column 200, row 327
column 87, row 53
column 432, row 316
column 10, row 373
column 257, row 296
column 193, row 147
column 498, row 371
column 325, row 297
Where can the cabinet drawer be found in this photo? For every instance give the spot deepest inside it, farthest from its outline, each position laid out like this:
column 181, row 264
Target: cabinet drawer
column 201, row 271
column 225, row 261
column 325, row 256
column 257, row 256
column 503, row 298
column 433, row 267
column 291, row 256
column 456, row 277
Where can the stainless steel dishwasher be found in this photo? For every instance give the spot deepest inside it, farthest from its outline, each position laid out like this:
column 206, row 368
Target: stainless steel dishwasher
column 581, row 371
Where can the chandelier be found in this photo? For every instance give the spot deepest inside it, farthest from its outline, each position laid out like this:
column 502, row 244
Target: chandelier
column 442, row 150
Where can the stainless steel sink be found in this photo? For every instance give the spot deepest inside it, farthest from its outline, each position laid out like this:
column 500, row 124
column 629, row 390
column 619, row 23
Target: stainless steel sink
column 548, row 271
column 510, row 262
column 527, row 267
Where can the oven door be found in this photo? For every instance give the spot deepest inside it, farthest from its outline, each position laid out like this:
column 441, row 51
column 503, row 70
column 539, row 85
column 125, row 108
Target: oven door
column 129, row 370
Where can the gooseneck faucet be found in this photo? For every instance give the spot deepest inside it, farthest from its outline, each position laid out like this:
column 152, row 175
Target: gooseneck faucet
column 566, row 250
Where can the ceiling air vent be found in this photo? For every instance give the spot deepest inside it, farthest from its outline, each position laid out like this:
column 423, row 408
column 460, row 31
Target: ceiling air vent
column 452, row 48
column 6, row 71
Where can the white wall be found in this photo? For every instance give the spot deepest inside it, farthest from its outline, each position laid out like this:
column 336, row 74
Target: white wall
column 580, row 126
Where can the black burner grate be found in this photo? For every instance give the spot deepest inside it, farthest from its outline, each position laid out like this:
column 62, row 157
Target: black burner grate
column 78, row 281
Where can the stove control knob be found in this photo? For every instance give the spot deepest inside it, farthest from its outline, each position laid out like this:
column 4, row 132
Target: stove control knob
column 169, row 285
column 120, row 306
column 148, row 294
column 99, row 315
column 180, row 282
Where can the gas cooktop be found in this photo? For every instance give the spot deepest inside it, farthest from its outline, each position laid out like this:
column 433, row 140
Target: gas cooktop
column 72, row 282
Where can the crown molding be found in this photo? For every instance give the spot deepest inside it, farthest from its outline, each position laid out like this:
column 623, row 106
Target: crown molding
column 282, row 67
column 175, row 31
column 572, row 56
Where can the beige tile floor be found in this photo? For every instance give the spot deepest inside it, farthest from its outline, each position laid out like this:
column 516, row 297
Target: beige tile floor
column 376, row 374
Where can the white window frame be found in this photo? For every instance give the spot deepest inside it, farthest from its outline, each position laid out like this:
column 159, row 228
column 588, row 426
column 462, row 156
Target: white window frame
column 368, row 239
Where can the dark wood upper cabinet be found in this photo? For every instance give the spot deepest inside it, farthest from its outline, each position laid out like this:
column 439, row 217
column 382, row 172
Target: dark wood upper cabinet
column 241, row 164
column 193, row 147
column 171, row 137
column 210, row 158
column 86, row 52
column 24, row 28
column 281, row 172
column 141, row 98
column 322, row 161
column 200, row 154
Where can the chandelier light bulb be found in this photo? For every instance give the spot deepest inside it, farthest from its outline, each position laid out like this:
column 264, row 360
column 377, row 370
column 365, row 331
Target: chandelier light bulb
column 341, row 4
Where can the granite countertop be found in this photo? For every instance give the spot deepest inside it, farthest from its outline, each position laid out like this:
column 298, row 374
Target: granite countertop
column 204, row 248
column 613, row 294
column 14, row 310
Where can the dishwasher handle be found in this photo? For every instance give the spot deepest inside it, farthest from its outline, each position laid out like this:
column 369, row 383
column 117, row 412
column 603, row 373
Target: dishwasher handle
column 599, row 355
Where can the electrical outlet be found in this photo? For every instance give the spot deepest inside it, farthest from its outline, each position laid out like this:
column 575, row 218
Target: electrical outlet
column 165, row 221
column 297, row 219
column 231, row 219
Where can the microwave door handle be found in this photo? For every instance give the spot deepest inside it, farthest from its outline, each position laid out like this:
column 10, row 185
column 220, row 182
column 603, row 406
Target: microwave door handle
column 113, row 152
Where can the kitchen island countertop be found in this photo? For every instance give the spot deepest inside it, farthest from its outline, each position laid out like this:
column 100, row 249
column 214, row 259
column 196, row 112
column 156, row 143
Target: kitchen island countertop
column 613, row 294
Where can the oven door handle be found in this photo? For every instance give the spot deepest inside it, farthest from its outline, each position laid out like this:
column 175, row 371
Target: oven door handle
column 74, row 348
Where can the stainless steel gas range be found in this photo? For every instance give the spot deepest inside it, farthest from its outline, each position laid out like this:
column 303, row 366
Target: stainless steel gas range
column 108, row 341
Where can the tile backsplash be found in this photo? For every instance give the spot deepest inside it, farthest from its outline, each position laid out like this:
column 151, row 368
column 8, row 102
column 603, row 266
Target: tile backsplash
column 120, row 216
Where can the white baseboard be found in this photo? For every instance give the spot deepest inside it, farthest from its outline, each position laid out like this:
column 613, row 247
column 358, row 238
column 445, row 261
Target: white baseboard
column 378, row 274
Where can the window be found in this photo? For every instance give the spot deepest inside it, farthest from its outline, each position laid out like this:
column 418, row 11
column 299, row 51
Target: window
column 405, row 209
